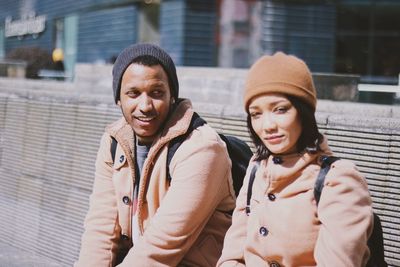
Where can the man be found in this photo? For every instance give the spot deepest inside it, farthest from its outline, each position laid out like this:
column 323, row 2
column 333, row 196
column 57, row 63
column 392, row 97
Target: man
column 135, row 210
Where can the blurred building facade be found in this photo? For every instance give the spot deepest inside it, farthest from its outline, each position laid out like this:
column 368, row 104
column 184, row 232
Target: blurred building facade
column 343, row 36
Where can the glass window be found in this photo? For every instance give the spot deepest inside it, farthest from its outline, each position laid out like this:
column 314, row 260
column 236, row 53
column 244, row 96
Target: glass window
column 352, row 54
column 386, row 56
column 368, row 41
column 353, row 18
column 387, row 19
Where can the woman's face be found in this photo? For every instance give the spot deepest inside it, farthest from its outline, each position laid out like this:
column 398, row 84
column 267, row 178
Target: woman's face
column 276, row 122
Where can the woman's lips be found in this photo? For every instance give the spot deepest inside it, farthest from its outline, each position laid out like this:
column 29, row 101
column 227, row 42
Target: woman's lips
column 274, row 139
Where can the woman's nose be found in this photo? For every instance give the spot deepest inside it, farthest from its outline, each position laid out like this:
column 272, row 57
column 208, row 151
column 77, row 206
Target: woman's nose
column 269, row 124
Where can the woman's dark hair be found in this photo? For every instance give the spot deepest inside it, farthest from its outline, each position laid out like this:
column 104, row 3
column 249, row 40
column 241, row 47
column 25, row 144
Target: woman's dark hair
column 309, row 139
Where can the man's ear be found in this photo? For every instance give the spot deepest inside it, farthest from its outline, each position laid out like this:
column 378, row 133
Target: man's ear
column 119, row 103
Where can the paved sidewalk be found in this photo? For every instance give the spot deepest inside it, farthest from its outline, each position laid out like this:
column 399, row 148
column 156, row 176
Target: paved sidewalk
column 14, row 257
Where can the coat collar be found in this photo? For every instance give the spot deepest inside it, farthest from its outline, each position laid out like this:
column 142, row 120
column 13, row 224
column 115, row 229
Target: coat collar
column 177, row 124
column 284, row 171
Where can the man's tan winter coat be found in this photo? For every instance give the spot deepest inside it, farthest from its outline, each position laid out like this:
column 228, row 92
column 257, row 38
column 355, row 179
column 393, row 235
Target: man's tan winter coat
column 286, row 228
column 181, row 223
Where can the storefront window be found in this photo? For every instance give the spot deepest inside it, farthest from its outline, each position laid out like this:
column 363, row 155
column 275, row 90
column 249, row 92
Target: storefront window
column 368, row 41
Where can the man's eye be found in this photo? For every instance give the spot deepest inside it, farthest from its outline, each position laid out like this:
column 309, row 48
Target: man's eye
column 158, row 93
column 132, row 93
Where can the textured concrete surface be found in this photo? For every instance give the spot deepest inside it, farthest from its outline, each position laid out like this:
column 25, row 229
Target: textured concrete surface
column 14, row 257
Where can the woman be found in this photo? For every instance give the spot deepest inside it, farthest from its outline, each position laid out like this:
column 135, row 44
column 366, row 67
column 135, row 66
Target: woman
column 284, row 225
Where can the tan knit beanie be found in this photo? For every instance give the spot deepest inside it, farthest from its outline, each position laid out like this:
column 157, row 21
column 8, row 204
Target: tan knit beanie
column 283, row 74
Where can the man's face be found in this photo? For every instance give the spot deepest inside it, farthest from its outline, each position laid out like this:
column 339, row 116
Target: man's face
column 145, row 100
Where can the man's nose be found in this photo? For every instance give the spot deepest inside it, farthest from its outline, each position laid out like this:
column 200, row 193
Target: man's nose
column 145, row 104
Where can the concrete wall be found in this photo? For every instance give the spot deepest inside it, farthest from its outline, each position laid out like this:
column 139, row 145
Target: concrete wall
column 215, row 85
column 50, row 131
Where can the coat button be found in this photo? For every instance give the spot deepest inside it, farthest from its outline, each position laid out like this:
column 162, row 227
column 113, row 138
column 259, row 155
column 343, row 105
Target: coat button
column 126, row 200
column 263, row 231
column 121, row 159
column 124, row 237
column 271, row 197
column 274, row 264
column 277, row 160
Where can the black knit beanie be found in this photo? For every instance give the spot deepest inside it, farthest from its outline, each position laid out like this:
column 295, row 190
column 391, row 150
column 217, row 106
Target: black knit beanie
column 132, row 52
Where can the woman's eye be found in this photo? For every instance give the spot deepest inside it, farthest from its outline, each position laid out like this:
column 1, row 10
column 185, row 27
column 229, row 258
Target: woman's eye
column 254, row 115
column 281, row 110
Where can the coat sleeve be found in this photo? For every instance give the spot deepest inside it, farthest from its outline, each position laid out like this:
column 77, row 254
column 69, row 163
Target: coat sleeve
column 200, row 170
column 235, row 238
column 345, row 212
column 99, row 240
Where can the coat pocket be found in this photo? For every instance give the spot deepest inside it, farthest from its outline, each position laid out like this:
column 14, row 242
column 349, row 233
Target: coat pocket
column 210, row 250
column 205, row 252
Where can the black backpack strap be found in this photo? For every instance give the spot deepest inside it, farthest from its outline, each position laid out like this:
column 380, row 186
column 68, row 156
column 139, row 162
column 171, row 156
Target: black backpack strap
column 250, row 187
column 113, row 148
column 240, row 154
column 319, row 183
column 376, row 247
column 175, row 143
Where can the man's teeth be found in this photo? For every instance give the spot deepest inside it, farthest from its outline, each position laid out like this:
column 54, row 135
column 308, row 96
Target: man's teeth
column 146, row 119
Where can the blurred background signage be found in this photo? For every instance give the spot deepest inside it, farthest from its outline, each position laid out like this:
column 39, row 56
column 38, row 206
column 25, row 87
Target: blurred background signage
column 26, row 25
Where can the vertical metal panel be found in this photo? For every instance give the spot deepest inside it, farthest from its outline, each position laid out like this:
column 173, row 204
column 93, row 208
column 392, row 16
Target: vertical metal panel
column 172, row 20
column 305, row 30
column 104, row 33
column 187, row 29
column 200, row 29
column 8, row 8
